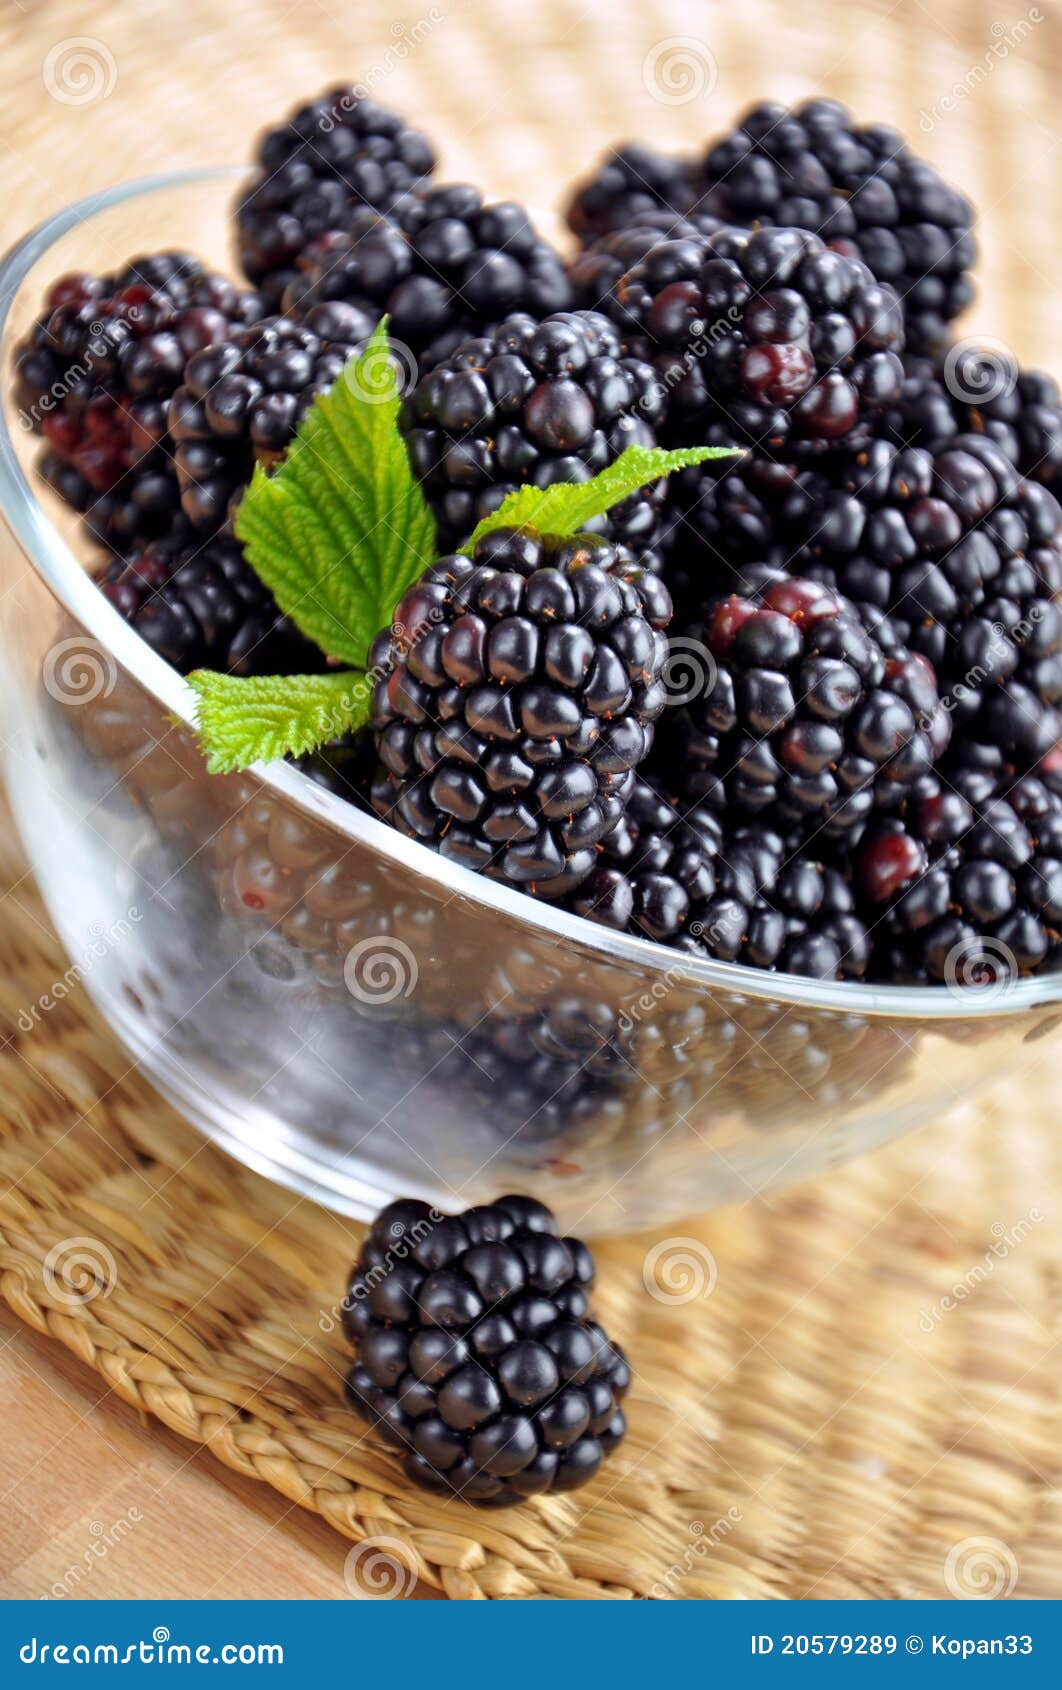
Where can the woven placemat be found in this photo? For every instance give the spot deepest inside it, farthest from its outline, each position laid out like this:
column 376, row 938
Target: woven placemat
column 866, row 1403
column 850, row 1391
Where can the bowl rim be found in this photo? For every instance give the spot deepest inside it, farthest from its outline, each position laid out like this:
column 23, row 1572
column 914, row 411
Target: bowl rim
column 65, row 575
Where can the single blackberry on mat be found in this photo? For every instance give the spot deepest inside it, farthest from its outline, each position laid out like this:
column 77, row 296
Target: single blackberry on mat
column 94, row 375
column 242, row 400
column 517, row 694
column 966, row 889
column 444, row 266
column 475, row 1353
column 978, row 392
column 633, row 180
column 801, row 715
column 532, row 403
column 766, row 340
column 334, row 154
column 202, row 604
column 862, row 191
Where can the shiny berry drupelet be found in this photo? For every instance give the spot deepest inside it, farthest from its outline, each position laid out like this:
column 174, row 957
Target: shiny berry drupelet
column 764, row 340
column 533, row 403
column 202, row 605
column 242, row 400
column 516, row 694
column 862, row 191
column 330, row 157
column 94, row 375
column 801, row 715
column 475, row 1353
column 443, row 266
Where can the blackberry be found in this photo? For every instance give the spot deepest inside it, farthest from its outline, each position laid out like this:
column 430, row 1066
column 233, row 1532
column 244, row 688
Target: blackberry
column 1020, row 411
column 655, row 868
column 596, row 270
column 335, row 154
column 143, row 507
column 766, row 340
column 475, row 1353
column 861, row 191
column 949, row 551
column 517, row 693
column 443, row 267
column 967, row 887
column 801, row 716
column 632, row 181
column 532, row 403
column 242, row 400
column 779, row 907
column 736, row 892
column 94, row 375
column 203, row 605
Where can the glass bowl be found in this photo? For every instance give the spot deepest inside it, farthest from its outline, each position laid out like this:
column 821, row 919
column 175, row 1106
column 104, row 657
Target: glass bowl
column 351, row 1014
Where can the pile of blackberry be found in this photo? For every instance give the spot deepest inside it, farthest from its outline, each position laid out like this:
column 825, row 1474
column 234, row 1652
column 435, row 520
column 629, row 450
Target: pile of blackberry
column 767, row 340
column 517, row 693
column 201, row 605
column 242, row 399
column 94, row 376
column 859, row 188
column 330, row 156
column 873, row 589
column 444, row 265
column 533, row 403
column 475, row 1353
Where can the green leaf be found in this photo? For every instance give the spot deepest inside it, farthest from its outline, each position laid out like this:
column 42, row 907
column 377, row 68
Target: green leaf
column 567, row 507
column 341, row 529
column 259, row 719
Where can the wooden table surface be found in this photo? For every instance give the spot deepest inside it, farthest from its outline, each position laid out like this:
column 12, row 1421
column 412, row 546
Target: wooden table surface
column 97, row 1504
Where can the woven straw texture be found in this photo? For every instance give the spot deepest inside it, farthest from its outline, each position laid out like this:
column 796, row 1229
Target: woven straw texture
column 860, row 1395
